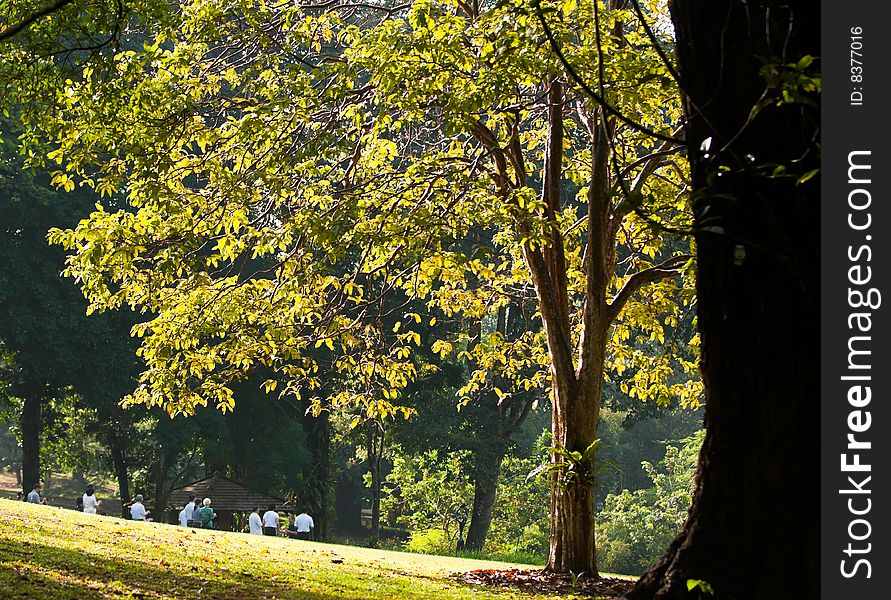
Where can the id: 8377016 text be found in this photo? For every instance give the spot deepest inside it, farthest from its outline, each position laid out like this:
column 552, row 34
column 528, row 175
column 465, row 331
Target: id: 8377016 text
column 856, row 66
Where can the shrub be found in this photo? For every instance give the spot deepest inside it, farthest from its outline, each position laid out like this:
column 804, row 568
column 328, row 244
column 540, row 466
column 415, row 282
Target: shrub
column 634, row 529
column 430, row 541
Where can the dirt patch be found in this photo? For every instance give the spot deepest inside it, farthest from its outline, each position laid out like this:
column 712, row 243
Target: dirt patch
column 540, row 581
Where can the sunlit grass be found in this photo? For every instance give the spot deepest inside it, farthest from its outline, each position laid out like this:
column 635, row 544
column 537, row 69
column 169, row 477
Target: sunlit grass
column 48, row 552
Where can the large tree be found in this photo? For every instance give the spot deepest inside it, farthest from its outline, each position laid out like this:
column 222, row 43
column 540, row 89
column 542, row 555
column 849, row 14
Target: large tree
column 751, row 97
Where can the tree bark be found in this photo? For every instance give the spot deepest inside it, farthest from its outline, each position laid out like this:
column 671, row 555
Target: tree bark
column 490, row 449
column 576, row 371
column 375, row 450
column 119, row 460
column 162, row 483
column 31, row 423
column 487, row 468
column 320, row 495
column 576, row 392
column 753, row 529
column 575, row 416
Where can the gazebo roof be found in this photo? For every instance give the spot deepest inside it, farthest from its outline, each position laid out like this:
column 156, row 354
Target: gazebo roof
column 225, row 494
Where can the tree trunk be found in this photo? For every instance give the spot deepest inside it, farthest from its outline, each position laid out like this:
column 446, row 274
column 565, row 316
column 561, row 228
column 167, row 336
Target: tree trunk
column 575, row 416
column 31, row 423
column 487, row 468
column 753, row 529
column 319, row 495
column 575, row 391
column 119, row 460
column 161, row 484
column 375, row 455
column 489, row 453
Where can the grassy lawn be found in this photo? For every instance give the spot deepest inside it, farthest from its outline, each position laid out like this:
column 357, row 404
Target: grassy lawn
column 48, row 552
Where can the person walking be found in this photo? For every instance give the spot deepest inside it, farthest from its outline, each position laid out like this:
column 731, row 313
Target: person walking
column 91, row 504
column 255, row 523
column 137, row 509
column 270, row 521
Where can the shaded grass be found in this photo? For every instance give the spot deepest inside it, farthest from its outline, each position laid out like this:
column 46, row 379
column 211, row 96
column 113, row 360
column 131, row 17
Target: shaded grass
column 48, row 552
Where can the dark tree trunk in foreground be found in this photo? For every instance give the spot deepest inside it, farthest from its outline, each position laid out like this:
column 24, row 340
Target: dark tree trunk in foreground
column 30, row 423
column 753, row 530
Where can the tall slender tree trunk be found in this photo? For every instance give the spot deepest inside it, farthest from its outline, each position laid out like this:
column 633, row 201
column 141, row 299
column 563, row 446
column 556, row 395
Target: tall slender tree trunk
column 375, row 450
column 320, row 494
column 489, row 453
column 576, row 368
column 575, row 382
column 162, row 472
column 487, row 468
column 119, row 460
column 758, row 297
column 31, row 423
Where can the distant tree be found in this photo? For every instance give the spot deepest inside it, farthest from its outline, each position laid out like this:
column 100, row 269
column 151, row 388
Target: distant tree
column 53, row 346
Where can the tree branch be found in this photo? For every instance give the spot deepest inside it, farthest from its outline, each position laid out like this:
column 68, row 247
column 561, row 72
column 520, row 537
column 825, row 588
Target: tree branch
column 12, row 30
column 668, row 268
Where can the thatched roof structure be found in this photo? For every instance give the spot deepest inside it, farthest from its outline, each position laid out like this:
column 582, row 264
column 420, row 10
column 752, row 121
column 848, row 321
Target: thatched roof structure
column 225, row 494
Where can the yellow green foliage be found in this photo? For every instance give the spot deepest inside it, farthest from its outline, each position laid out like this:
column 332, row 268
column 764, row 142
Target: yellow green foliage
column 278, row 183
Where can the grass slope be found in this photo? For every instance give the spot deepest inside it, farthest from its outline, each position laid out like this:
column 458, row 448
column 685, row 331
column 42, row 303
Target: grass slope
column 48, row 552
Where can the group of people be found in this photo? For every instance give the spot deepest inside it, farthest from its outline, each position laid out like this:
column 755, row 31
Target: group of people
column 270, row 522
column 198, row 513
column 88, row 503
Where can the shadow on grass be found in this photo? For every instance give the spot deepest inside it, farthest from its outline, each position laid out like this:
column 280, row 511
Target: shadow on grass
column 38, row 571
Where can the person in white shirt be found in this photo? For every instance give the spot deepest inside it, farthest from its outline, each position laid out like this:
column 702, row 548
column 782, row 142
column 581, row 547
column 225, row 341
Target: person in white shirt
column 255, row 522
column 302, row 527
column 90, row 502
column 137, row 511
column 270, row 521
column 188, row 512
